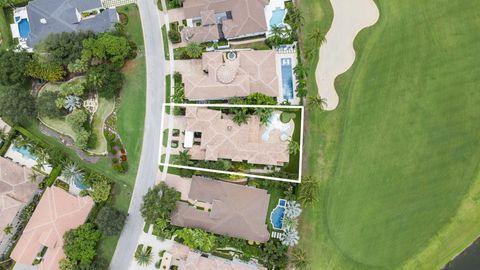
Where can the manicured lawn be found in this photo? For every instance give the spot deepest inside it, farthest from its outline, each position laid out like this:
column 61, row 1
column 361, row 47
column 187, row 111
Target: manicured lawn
column 165, row 42
column 398, row 159
column 105, row 108
column 5, row 33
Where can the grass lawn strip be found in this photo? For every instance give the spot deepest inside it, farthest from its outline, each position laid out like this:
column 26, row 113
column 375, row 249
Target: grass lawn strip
column 5, row 33
column 105, row 108
column 407, row 173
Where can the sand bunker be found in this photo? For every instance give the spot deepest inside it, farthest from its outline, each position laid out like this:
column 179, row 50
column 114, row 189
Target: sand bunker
column 337, row 54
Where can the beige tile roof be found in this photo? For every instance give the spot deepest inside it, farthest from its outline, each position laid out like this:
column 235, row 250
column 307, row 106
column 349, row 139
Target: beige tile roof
column 224, row 139
column 237, row 211
column 201, row 34
column 195, row 261
column 252, row 71
column 56, row 213
column 248, row 16
column 16, row 190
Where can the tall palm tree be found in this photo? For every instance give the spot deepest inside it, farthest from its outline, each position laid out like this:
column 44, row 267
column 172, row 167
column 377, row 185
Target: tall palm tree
column 178, row 94
column 317, row 102
column 33, row 177
column 300, row 70
column 289, row 223
column 293, row 147
column 308, row 191
column 143, row 255
column 318, row 36
column 21, row 142
column 299, row 259
column 290, row 237
column 292, row 209
column 264, row 115
column 241, row 117
column 71, row 173
column 296, row 17
column 194, row 50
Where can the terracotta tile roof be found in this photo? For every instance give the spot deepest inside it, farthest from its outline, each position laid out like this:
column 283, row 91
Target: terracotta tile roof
column 252, row 71
column 16, row 190
column 247, row 16
column 56, row 213
column 224, row 139
column 237, row 211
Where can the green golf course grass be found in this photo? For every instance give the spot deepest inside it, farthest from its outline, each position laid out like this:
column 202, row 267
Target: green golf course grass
column 398, row 160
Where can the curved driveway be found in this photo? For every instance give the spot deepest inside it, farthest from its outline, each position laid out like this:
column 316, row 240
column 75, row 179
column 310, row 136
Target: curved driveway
column 148, row 166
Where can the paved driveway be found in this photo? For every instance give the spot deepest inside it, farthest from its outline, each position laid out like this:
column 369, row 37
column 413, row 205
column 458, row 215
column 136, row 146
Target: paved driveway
column 148, row 167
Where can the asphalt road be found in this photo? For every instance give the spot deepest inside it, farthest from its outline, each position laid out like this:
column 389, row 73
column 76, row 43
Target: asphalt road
column 148, row 167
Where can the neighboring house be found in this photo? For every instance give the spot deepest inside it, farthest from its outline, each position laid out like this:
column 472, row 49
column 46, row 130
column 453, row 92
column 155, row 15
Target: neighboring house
column 229, row 209
column 225, row 75
column 16, row 190
column 4, row 126
column 186, row 259
column 56, row 213
column 212, row 135
column 213, row 20
column 41, row 18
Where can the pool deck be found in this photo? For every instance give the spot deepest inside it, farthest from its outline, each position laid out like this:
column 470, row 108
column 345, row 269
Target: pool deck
column 274, row 4
column 23, row 161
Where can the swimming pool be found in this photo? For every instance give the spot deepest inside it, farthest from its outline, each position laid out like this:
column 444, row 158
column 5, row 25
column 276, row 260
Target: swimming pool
column 277, row 215
column 287, row 78
column 80, row 185
column 23, row 28
column 25, row 152
column 277, row 17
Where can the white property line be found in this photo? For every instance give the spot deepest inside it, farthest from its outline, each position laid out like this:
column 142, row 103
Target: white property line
column 166, row 165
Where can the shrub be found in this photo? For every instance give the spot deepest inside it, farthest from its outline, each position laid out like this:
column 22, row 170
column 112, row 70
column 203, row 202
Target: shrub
column 114, row 160
column 174, row 36
column 124, row 166
column 124, row 158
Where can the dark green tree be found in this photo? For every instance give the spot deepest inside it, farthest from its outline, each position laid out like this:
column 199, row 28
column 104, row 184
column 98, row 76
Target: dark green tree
column 12, row 67
column 106, row 79
column 110, row 221
column 159, row 202
column 16, row 104
column 274, row 254
column 80, row 244
column 194, row 50
column 63, row 48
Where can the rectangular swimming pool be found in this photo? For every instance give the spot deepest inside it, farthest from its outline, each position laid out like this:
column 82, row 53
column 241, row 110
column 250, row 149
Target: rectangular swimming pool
column 287, row 78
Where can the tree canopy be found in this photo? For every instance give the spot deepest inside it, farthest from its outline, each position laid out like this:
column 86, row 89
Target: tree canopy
column 106, row 79
column 197, row 239
column 46, row 105
column 107, row 47
column 159, row 202
column 80, row 244
column 16, row 104
column 101, row 190
column 110, row 221
column 12, row 67
column 63, row 48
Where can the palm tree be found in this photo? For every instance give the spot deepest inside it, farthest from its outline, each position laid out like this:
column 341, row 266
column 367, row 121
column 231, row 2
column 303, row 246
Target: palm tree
column 300, row 71
column 296, row 17
column 178, row 93
column 22, row 142
column 289, row 223
column 72, row 102
column 293, row 147
column 308, row 191
column 143, row 256
column 194, row 50
column 292, row 209
column 96, row 79
column 241, row 117
column 317, row 102
column 277, row 34
column 264, row 115
column 184, row 158
column 290, row 237
column 33, row 177
column 8, row 229
column 71, row 173
column 299, row 259
column 318, row 36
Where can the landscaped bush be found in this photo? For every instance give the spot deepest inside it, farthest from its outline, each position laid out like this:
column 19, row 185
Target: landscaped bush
column 174, row 36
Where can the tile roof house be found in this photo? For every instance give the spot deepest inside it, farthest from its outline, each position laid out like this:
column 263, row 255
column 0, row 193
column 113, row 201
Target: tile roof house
column 56, row 213
column 236, row 210
column 233, row 74
column 55, row 16
column 224, row 19
column 221, row 138
column 16, row 190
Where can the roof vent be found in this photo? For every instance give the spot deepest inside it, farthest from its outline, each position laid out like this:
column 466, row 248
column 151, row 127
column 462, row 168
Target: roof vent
column 43, row 21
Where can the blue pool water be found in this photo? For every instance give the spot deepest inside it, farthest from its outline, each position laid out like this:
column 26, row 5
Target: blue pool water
column 287, row 78
column 25, row 152
column 277, row 215
column 277, row 17
column 17, row 18
column 80, row 185
column 24, row 28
